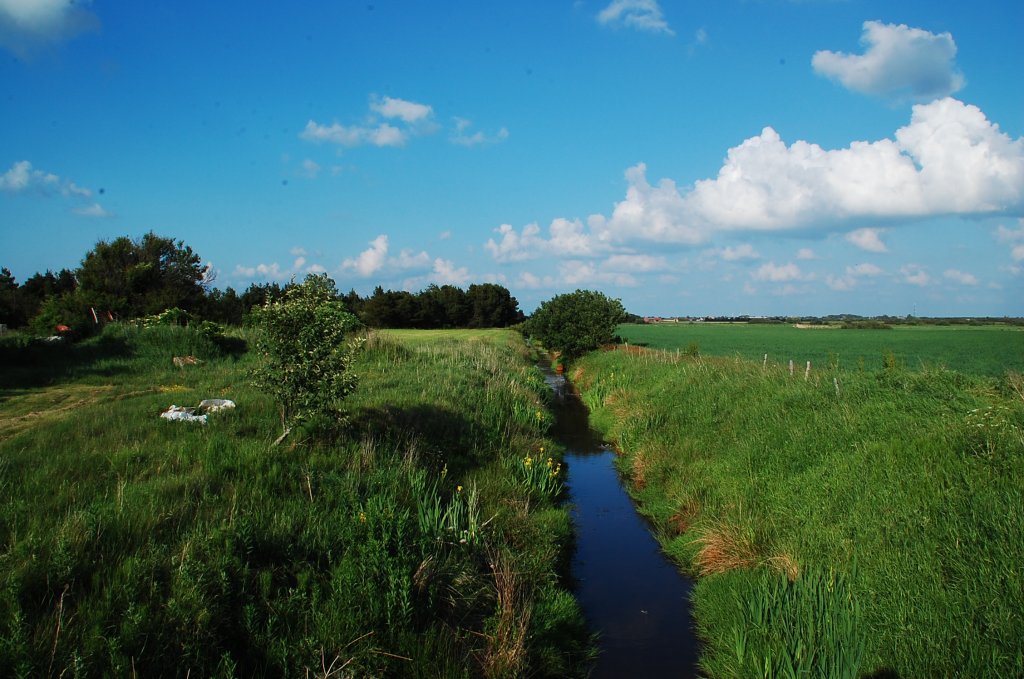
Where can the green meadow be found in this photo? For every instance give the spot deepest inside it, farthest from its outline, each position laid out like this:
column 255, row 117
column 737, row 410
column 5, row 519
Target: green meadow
column 864, row 521
column 415, row 542
column 980, row 350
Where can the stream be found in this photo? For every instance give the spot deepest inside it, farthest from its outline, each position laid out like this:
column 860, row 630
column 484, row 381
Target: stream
column 631, row 594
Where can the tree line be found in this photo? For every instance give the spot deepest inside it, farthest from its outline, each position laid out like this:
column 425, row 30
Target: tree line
column 131, row 278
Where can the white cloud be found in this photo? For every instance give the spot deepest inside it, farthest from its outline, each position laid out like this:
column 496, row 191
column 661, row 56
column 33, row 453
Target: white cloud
column 915, row 275
column 1005, row 235
column 575, row 272
column 566, row 238
column 1011, row 236
column 868, row 239
column 776, row 274
column 533, row 281
column 336, row 133
column 865, row 269
column 263, row 271
column 463, row 137
column 949, row 160
column 310, row 168
column 445, row 235
column 368, row 261
column 26, row 25
column 375, row 258
column 407, row 111
column 853, row 273
column 516, row 247
column 446, row 273
column 741, row 251
column 643, row 15
column 94, row 210
column 806, row 253
column 23, row 178
column 298, row 251
column 899, row 61
column 960, row 277
column 636, row 263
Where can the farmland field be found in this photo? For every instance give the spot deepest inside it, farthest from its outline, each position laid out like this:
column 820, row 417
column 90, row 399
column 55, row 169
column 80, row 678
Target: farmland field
column 978, row 350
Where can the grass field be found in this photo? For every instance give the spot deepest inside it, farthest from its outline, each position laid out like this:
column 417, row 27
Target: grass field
column 986, row 350
column 854, row 523
column 413, row 543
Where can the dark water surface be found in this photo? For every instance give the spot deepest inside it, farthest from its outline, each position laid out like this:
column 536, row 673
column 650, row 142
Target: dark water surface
column 631, row 594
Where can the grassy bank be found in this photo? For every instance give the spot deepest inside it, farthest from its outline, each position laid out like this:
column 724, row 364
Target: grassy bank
column 985, row 350
column 414, row 543
column 853, row 523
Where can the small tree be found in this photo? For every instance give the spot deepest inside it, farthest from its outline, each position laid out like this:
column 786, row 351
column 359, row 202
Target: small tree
column 305, row 360
column 576, row 323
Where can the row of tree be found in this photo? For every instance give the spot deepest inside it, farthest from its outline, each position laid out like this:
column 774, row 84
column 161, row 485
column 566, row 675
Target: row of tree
column 126, row 278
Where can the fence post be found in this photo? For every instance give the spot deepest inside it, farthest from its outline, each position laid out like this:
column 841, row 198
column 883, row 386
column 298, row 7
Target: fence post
column 807, row 372
column 765, row 363
column 790, row 367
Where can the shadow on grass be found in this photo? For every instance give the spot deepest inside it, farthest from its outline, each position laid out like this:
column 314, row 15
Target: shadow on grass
column 32, row 362
column 442, row 436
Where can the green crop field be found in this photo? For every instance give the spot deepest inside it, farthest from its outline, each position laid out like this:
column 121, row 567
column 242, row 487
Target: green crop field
column 986, row 350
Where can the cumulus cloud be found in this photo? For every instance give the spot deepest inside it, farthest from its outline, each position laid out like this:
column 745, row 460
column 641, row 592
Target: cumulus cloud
column 642, row 15
column 93, row 210
column 961, row 277
column 899, row 61
column 806, row 253
column 274, row 270
column 28, row 25
column 950, row 159
column 1014, row 238
column 446, row 273
column 463, row 137
column 264, row 271
column 576, row 272
column 741, row 251
column 21, row 177
column 774, row 273
column 382, row 134
column 868, row 239
column 915, row 274
column 849, row 280
column 636, row 263
column 407, row 111
column 375, row 258
column 411, row 118
column 368, row 261
column 565, row 238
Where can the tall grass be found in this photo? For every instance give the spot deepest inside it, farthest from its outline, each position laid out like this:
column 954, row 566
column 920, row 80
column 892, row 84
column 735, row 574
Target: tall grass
column 130, row 545
column 755, row 478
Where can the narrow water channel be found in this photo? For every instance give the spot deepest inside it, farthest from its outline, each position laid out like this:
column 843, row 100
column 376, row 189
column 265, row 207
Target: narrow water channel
column 631, row 594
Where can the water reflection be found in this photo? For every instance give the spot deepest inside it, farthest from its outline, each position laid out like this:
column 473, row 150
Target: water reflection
column 629, row 591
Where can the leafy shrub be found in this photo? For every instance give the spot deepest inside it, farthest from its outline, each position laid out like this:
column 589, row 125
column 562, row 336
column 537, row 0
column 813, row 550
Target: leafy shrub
column 577, row 322
column 305, row 360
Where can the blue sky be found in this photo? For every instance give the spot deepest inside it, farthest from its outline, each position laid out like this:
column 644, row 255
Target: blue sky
column 729, row 157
